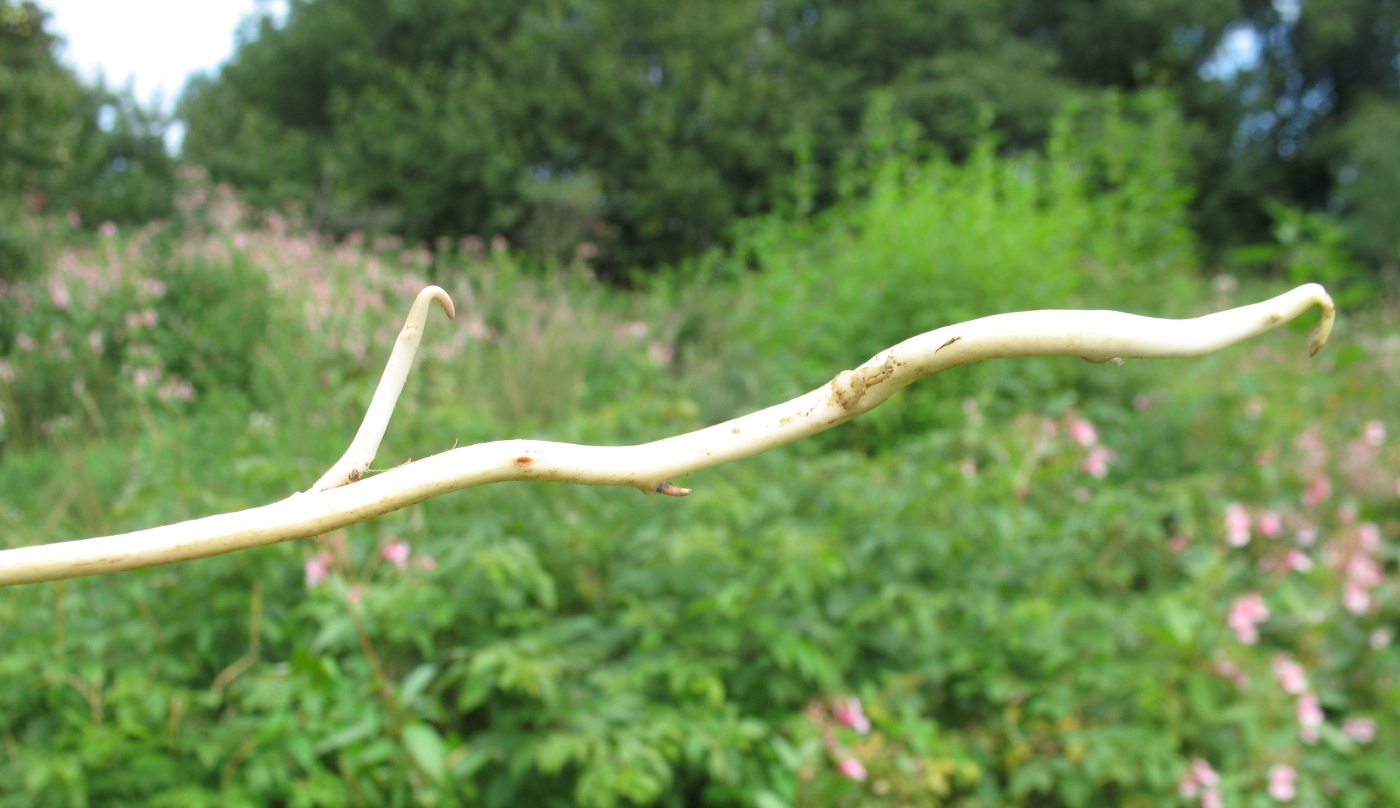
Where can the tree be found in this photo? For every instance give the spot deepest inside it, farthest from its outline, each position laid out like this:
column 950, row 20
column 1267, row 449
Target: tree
column 66, row 145
column 646, row 128
column 1314, row 130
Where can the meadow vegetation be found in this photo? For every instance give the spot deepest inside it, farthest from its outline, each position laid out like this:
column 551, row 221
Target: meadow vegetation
column 1031, row 582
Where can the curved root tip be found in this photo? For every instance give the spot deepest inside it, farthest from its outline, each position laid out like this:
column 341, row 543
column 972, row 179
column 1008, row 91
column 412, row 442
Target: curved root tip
column 670, row 489
column 440, row 295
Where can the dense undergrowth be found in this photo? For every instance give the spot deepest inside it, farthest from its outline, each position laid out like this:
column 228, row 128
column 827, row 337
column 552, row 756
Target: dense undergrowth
column 1030, row 583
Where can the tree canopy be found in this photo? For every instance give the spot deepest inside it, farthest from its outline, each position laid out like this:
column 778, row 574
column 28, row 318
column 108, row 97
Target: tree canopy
column 646, row 131
column 66, row 144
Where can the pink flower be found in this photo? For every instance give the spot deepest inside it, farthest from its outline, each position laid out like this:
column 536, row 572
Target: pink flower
column 852, row 768
column 848, row 711
column 1309, row 716
column 1230, row 671
column 1236, row 525
column 1363, row 570
column 1083, row 432
column 1361, row 730
column 396, row 552
column 317, row 568
column 1373, row 434
column 1319, row 488
column 1211, row 799
column 26, row 342
column 95, row 341
column 1291, row 676
column 1307, row 535
column 1355, row 598
column 1270, row 524
column 355, row 594
column 1096, row 464
column 1245, row 612
column 1296, row 559
column 1381, row 637
column 1281, row 779
column 1142, row 401
column 58, row 293
column 426, row 562
column 1204, row 774
column 1177, row 543
column 1368, row 535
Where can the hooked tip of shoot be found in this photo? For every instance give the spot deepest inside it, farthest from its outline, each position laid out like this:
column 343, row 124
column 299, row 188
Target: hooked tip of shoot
column 1329, row 317
column 440, row 295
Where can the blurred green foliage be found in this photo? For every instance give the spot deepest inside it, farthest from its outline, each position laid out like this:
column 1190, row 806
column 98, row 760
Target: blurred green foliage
column 1029, row 614
column 67, row 146
column 646, row 132
column 429, row 119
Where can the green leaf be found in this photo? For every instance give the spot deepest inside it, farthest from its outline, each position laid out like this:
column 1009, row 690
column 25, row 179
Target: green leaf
column 416, row 682
column 346, row 736
column 426, row 748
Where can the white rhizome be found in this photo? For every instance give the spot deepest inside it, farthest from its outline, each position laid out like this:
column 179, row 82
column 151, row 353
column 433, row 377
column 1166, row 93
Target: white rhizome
column 344, row 495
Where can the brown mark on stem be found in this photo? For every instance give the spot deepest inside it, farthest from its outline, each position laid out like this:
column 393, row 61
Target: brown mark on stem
column 946, row 344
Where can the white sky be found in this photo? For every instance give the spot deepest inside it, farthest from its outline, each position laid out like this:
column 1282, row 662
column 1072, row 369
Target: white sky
column 156, row 44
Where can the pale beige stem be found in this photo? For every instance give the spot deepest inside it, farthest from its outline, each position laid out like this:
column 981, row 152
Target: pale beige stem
column 355, row 462
column 1098, row 336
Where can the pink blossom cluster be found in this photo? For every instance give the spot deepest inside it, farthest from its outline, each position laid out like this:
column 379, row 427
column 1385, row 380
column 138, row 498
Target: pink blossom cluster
column 851, row 767
column 1293, row 679
column 1291, row 675
column 1363, row 573
column 1310, row 717
column 1282, row 778
column 1096, row 463
column 1293, row 559
column 1201, row 781
column 1083, row 432
column 848, row 711
column 318, row 567
column 1236, row 525
column 1246, row 612
column 1360, row 730
column 1373, row 434
column 1313, row 468
column 396, row 552
column 1359, row 465
column 1231, row 671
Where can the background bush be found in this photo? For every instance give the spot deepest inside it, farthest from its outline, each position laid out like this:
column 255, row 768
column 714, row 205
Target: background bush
column 1029, row 614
